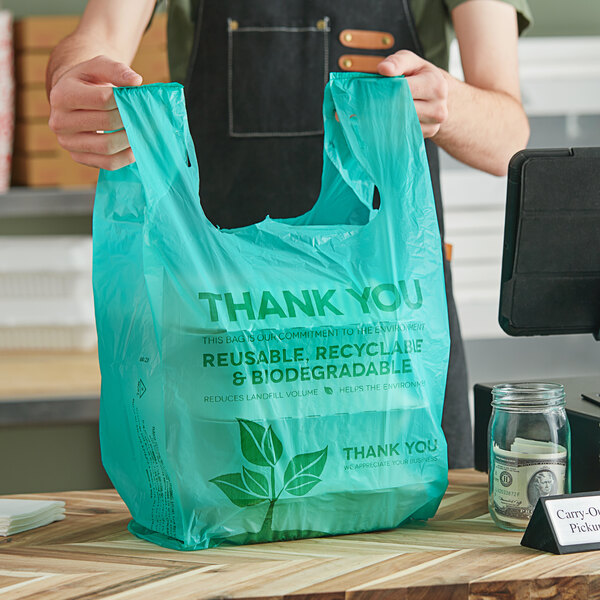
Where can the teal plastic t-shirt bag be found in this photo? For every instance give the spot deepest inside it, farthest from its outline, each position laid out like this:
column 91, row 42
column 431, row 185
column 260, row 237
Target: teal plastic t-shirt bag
column 280, row 380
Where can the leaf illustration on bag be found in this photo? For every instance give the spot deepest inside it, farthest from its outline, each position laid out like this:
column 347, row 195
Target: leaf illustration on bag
column 262, row 447
column 252, row 439
column 234, row 487
column 272, row 447
column 302, row 484
column 302, row 473
column 256, row 482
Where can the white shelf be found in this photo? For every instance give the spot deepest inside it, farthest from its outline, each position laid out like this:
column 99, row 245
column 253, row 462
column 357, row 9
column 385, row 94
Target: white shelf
column 559, row 75
column 33, row 202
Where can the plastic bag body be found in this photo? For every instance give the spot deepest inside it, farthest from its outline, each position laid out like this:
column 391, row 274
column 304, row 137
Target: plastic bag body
column 285, row 379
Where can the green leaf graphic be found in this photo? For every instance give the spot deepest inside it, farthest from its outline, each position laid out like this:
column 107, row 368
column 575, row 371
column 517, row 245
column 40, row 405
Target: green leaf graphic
column 256, row 482
column 234, row 488
column 302, row 484
column 272, row 447
column 328, row 390
column 302, row 465
column 252, row 436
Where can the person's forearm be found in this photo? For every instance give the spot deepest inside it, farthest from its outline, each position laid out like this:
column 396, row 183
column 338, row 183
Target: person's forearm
column 111, row 28
column 82, row 72
column 75, row 49
column 484, row 128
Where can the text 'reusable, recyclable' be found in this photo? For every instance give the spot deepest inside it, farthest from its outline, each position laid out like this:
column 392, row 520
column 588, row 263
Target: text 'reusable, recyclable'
column 358, row 360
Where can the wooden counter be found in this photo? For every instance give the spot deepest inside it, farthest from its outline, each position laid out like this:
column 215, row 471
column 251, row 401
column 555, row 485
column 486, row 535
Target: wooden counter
column 48, row 374
column 49, row 387
column 459, row 554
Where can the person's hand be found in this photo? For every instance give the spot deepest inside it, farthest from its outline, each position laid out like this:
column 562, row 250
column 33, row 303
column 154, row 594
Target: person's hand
column 82, row 108
column 427, row 84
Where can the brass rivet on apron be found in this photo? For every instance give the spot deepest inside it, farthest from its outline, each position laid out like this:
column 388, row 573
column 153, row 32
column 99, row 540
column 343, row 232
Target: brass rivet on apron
column 386, row 41
column 348, row 37
column 347, row 63
column 321, row 24
column 233, row 25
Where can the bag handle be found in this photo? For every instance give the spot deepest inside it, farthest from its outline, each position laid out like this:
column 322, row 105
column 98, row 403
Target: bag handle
column 373, row 137
column 155, row 120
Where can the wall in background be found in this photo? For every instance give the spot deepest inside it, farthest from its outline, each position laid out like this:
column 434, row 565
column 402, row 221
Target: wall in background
column 556, row 17
column 50, row 458
column 552, row 17
column 23, row 8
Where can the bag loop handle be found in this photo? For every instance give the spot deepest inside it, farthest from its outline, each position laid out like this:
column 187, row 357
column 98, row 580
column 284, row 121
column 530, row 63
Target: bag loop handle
column 373, row 137
column 155, row 120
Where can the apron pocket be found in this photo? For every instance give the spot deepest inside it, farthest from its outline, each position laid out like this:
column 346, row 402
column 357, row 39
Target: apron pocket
column 276, row 79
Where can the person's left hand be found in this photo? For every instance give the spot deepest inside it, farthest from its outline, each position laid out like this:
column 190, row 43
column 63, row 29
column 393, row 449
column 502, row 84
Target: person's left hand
column 427, row 84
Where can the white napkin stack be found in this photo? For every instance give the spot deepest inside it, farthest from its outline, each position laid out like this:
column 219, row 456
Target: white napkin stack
column 20, row 515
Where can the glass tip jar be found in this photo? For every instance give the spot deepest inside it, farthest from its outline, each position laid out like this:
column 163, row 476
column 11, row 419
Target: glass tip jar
column 529, row 445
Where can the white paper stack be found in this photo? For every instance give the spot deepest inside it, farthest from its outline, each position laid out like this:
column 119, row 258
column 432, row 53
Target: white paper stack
column 46, row 299
column 20, row 515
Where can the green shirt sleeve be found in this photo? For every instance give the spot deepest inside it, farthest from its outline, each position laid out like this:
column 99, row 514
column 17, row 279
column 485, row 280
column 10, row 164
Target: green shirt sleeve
column 434, row 25
column 524, row 17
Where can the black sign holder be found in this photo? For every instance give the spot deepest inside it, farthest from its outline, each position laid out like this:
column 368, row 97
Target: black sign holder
column 541, row 534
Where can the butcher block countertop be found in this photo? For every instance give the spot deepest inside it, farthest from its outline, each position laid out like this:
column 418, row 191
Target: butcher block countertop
column 458, row 554
column 49, row 387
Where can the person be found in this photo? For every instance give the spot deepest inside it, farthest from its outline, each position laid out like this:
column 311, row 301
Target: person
column 254, row 72
column 543, row 483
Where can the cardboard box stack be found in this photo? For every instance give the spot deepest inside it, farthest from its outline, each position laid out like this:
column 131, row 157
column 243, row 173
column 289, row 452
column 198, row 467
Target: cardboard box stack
column 38, row 159
column 7, row 88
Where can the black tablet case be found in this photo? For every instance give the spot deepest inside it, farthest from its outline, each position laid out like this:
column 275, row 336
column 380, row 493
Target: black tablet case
column 551, row 258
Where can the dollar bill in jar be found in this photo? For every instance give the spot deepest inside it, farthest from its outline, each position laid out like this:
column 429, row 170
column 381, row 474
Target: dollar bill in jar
column 529, row 445
column 520, row 476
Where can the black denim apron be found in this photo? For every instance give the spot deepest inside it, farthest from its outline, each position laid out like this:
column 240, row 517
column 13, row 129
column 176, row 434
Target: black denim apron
column 254, row 97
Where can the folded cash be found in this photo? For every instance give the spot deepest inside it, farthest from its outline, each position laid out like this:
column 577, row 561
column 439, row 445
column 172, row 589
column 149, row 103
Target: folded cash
column 536, row 447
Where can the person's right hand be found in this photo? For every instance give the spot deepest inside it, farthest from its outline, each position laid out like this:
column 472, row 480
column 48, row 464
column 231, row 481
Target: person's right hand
column 82, row 108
